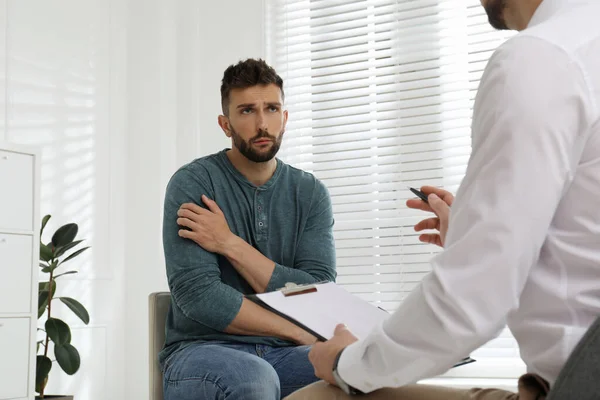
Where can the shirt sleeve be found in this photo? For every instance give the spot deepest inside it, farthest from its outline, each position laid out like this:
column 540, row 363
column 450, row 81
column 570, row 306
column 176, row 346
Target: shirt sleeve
column 315, row 252
column 193, row 273
column 528, row 126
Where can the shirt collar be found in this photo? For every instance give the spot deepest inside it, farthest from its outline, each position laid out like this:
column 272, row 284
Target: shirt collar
column 548, row 8
column 238, row 175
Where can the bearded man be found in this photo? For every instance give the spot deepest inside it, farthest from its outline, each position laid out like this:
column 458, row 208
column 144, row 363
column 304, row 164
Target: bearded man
column 242, row 222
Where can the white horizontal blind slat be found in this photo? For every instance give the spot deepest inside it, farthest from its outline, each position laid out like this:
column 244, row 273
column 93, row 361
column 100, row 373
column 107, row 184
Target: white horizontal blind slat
column 380, row 96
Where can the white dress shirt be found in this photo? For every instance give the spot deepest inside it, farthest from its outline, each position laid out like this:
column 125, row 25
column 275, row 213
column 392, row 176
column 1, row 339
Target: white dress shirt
column 523, row 246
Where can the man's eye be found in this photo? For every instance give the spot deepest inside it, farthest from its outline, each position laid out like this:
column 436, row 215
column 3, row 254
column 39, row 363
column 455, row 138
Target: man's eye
column 246, row 111
column 273, row 109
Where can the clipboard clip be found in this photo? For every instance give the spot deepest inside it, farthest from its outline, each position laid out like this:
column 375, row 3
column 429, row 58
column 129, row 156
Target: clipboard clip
column 293, row 289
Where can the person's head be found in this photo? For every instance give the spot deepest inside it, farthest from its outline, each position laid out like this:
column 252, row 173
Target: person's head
column 495, row 10
column 510, row 14
column 253, row 116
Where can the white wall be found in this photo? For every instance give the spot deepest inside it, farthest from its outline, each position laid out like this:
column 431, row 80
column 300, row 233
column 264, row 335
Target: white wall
column 62, row 67
column 177, row 54
column 118, row 95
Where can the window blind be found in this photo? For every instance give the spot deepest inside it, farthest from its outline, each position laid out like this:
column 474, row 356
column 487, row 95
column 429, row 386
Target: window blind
column 380, row 95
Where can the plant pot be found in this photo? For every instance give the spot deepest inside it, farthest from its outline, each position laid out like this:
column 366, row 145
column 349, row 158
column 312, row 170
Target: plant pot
column 54, row 397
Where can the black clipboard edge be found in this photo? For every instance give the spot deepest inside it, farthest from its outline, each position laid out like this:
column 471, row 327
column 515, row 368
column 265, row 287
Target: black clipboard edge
column 255, row 299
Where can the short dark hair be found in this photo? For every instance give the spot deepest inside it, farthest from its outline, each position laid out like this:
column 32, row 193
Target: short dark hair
column 245, row 74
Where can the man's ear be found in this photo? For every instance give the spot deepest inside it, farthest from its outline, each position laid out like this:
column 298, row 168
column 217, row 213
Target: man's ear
column 285, row 118
column 225, row 125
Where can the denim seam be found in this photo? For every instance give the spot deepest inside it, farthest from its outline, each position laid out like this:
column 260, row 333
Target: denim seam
column 175, row 381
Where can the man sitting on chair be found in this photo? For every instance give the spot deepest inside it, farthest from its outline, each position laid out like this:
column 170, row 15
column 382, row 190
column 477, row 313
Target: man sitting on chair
column 242, row 222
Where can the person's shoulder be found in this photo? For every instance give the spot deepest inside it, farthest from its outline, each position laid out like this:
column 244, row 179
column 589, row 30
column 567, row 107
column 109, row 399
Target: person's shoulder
column 202, row 166
column 303, row 178
column 568, row 30
column 199, row 170
column 525, row 64
column 558, row 38
column 525, row 48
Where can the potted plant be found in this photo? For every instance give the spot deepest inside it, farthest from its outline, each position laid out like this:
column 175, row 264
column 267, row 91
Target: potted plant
column 52, row 256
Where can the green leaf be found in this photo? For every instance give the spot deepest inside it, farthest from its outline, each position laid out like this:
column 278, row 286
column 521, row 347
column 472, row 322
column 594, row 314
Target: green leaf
column 43, row 365
column 43, row 265
column 44, row 286
column 42, row 302
column 59, row 331
column 63, row 249
column 44, row 222
column 65, row 273
column 64, row 235
column 68, row 358
column 44, row 296
column 45, row 253
column 73, row 255
column 77, row 308
column 49, row 269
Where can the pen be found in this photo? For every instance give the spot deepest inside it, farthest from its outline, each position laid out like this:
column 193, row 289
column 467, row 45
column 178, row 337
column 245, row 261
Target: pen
column 420, row 194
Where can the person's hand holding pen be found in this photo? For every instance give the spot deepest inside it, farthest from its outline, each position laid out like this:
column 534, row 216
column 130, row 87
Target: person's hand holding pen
column 438, row 202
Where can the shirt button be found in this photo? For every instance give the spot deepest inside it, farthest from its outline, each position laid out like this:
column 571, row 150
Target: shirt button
column 260, row 224
column 259, row 208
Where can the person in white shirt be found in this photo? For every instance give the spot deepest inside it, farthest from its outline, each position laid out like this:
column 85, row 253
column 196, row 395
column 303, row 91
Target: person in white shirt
column 523, row 239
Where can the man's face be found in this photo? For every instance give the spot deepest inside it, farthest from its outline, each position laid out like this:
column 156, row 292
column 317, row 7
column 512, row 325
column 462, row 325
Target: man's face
column 495, row 10
column 257, row 121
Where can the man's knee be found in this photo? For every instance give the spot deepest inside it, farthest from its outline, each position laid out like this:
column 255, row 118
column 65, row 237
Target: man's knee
column 256, row 379
column 232, row 375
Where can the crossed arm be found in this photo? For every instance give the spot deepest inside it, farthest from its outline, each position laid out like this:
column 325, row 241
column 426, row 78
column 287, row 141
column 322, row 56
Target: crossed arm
column 194, row 274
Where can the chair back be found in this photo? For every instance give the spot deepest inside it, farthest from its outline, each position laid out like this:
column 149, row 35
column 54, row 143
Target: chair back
column 158, row 303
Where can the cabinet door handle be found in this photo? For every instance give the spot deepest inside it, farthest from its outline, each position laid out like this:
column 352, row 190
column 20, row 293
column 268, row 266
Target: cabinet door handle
column 4, row 157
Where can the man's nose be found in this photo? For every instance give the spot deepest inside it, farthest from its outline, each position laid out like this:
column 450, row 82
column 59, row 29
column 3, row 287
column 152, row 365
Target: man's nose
column 261, row 122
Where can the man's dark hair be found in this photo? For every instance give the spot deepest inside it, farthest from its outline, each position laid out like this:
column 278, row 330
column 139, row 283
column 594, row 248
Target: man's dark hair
column 246, row 74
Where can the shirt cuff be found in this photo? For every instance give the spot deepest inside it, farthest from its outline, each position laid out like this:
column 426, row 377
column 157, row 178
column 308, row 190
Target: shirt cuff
column 277, row 280
column 282, row 275
column 363, row 367
column 350, row 370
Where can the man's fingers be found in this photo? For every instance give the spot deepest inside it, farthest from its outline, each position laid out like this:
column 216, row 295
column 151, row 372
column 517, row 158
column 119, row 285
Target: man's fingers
column 191, row 207
column 211, row 204
column 418, row 204
column 186, row 222
column 431, row 238
column 184, row 233
column 313, row 351
column 439, row 206
column 190, row 214
column 443, row 194
column 339, row 329
column 429, row 223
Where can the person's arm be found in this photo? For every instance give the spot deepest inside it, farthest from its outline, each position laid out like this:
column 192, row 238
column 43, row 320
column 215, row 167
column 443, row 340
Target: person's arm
column 528, row 131
column 195, row 278
column 438, row 204
column 315, row 251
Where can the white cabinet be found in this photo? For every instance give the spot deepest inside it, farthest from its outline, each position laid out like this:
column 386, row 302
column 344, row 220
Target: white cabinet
column 19, row 252
column 16, row 186
column 16, row 252
column 14, row 369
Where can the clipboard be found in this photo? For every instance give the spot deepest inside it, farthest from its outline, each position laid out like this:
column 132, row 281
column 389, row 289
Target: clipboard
column 318, row 308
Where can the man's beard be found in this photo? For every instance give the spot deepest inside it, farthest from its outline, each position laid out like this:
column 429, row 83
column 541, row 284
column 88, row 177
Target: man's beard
column 247, row 151
column 495, row 11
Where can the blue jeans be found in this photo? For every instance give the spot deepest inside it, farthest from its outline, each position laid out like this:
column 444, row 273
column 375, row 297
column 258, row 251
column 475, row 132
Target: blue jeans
column 225, row 370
